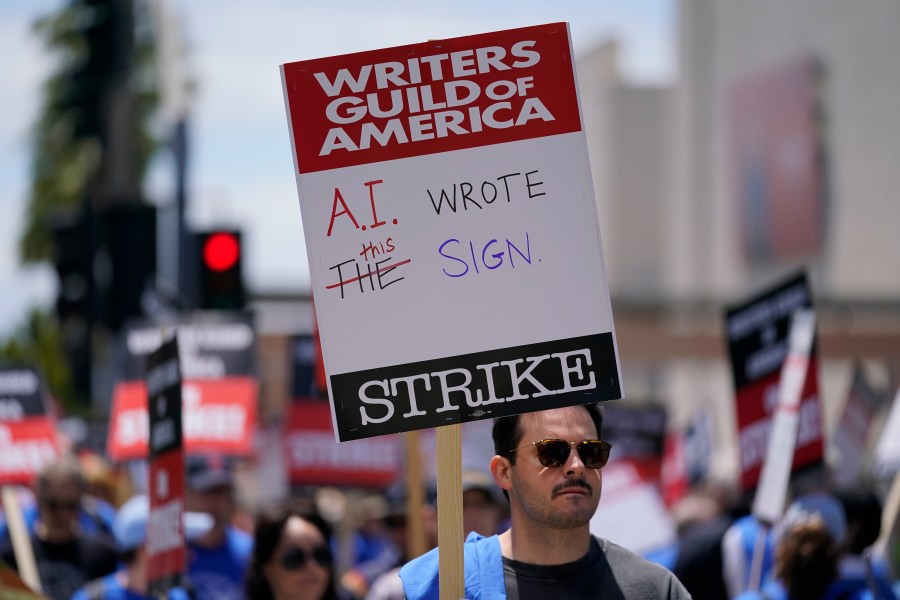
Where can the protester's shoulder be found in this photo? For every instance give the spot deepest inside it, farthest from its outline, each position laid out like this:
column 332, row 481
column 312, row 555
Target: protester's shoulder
column 474, row 544
column 618, row 556
column 637, row 570
column 419, row 576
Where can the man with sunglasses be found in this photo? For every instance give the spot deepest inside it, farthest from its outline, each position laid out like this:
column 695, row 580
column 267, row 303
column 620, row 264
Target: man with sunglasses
column 548, row 551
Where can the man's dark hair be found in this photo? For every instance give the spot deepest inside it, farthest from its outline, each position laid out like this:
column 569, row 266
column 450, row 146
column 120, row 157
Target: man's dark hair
column 507, row 434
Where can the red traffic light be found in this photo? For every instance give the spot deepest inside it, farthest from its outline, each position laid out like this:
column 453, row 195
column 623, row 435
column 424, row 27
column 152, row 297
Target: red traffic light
column 221, row 251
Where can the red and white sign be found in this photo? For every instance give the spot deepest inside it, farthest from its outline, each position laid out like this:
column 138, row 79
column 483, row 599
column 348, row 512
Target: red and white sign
column 430, row 98
column 757, row 334
column 165, row 533
column 27, row 432
column 165, row 547
column 219, row 417
column 315, row 458
column 28, row 446
column 448, row 208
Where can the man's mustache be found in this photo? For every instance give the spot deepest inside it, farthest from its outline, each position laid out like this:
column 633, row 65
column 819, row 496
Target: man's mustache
column 570, row 484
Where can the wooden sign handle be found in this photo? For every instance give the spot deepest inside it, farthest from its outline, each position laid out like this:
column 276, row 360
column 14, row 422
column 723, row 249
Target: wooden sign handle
column 450, row 509
column 21, row 540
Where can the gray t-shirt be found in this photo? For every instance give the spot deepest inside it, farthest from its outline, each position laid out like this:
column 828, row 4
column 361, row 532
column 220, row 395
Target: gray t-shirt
column 607, row 571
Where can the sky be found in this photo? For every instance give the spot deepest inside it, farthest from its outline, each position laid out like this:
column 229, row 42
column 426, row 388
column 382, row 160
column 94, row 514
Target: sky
column 240, row 169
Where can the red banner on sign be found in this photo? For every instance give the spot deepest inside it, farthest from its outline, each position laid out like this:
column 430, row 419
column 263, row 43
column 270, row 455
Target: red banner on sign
column 755, row 405
column 165, row 533
column 219, row 418
column 315, row 458
column 28, row 445
column 431, row 97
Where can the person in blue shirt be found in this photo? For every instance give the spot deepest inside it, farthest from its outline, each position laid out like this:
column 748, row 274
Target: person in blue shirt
column 808, row 552
column 217, row 561
column 130, row 531
column 549, row 464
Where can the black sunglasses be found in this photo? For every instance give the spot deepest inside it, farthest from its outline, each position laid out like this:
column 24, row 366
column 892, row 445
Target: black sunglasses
column 60, row 505
column 554, row 453
column 295, row 558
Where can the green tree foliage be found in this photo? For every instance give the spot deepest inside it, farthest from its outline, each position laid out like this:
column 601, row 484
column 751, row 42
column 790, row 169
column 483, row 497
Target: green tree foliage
column 104, row 49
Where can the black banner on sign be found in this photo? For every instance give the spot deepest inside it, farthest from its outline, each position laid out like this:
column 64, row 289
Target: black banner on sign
column 165, row 537
column 757, row 330
column 164, row 399
column 213, row 346
column 20, row 394
column 470, row 387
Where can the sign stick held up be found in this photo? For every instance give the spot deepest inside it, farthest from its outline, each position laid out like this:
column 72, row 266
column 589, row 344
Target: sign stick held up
column 450, row 526
column 18, row 533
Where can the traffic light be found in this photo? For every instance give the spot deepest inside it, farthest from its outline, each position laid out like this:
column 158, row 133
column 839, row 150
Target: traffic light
column 73, row 258
column 127, row 243
column 221, row 277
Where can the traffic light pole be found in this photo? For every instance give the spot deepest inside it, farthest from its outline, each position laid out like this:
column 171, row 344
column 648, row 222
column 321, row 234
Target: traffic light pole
column 186, row 268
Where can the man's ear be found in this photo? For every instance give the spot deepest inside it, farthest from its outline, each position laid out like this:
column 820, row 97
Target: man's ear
column 500, row 469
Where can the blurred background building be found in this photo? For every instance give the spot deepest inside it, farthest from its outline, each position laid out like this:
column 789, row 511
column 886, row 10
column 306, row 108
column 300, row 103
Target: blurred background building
column 775, row 149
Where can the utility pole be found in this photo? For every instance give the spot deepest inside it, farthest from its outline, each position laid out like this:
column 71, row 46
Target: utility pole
column 178, row 270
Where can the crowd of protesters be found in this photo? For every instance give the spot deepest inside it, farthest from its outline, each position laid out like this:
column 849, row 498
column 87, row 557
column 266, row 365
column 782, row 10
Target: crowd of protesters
column 88, row 535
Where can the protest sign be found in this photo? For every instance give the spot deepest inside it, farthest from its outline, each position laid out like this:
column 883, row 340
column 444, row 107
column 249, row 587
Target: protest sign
column 851, row 436
column 165, row 534
column 314, row 458
column 757, row 334
column 220, row 388
column 27, row 432
column 449, row 216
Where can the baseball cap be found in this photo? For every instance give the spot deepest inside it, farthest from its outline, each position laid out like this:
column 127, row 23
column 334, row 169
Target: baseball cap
column 473, row 479
column 207, row 472
column 816, row 505
column 130, row 525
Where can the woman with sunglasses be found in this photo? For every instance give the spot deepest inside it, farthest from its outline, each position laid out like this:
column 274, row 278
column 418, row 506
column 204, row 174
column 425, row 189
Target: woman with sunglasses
column 291, row 558
column 549, row 464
